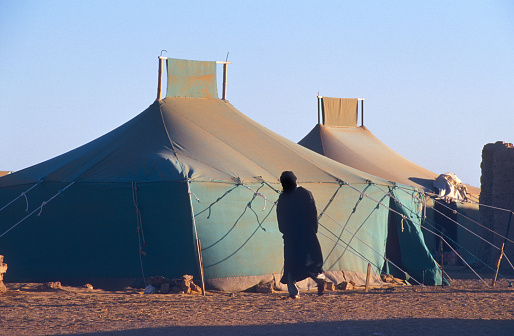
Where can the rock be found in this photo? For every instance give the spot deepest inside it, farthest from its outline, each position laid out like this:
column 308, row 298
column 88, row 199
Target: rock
column 187, row 277
column 329, row 286
column 3, row 269
column 165, row 288
column 157, row 281
column 150, row 289
column 51, row 286
column 177, row 290
column 345, row 285
column 88, row 286
column 195, row 289
column 183, row 285
column 387, row 278
column 267, row 287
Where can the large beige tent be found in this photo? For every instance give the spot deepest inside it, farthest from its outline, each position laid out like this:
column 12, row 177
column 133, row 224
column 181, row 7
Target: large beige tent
column 339, row 137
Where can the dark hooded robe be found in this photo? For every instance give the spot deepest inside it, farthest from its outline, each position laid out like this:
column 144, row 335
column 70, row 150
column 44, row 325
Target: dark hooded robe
column 298, row 222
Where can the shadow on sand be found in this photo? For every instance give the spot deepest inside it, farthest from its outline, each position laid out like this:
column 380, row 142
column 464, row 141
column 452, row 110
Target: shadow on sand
column 365, row 327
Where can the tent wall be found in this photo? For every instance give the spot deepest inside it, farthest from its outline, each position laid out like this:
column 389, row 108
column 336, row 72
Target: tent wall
column 416, row 258
column 241, row 244
column 90, row 232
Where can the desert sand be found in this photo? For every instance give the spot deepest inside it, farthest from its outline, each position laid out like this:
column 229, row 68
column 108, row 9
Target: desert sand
column 467, row 307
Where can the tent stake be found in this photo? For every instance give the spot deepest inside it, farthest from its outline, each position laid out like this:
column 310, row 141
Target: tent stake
column 442, row 259
column 367, row 277
column 200, row 262
column 501, row 252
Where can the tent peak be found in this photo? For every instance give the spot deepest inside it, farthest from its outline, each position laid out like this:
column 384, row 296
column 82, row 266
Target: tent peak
column 340, row 111
column 189, row 78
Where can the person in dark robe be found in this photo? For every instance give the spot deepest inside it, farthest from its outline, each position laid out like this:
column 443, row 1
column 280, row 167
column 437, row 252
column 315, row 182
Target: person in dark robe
column 298, row 222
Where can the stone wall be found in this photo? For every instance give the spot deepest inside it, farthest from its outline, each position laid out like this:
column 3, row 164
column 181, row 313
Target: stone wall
column 497, row 190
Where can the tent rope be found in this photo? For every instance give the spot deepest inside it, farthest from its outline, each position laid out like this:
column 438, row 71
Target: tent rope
column 473, row 233
column 41, row 208
column 376, row 269
column 247, row 240
column 26, row 201
column 22, row 194
column 462, row 247
column 38, row 208
column 468, row 201
column 330, row 202
column 404, row 217
column 374, row 200
column 378, row 253
column 248, row 206
column 454, row 221
column 355, row 233
column 139, row 229
column 257, row 193
column 216, row 201
column 421, row 226
column 456, row 253
column 471, row 220
column 354, row 210
column 496, row 233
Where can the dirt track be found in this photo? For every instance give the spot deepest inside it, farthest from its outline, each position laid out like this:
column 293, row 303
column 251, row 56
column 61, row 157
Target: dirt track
column 467, row 307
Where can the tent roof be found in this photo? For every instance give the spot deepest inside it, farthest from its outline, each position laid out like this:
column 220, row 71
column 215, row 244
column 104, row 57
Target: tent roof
column 357, row 147
column 201, row 139
column 340, row 139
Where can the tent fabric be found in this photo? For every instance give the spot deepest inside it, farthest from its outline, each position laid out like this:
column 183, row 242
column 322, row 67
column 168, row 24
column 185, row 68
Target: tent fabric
column 340, row 111
column 415, row 255
column 232, row 163
column 357, row 147
column 129, row 204
column 188, row 78
column 450, row 187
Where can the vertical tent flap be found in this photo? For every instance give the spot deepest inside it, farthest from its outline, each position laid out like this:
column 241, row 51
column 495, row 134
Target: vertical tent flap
column 340, row 111
column 194, row 79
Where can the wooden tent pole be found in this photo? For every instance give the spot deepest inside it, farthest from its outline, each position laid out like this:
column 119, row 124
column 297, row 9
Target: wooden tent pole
column 224, row 94
column 319, row 102
column 224, row 97
column 159, row 79
column 501, row 252
column 441, row 249
column 362, row 111
column 197, row 240
column 367, row 278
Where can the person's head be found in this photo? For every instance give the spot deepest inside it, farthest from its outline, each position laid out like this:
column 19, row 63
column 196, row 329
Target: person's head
column 288, row 180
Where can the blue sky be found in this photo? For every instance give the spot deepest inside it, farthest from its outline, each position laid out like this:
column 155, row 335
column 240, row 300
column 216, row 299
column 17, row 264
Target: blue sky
column 437, row 76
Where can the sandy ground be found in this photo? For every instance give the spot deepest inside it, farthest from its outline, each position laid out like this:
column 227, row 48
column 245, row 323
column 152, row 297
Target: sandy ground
column 467, row 307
